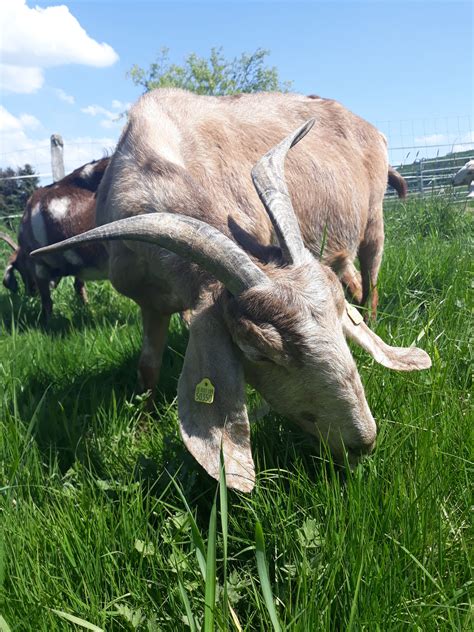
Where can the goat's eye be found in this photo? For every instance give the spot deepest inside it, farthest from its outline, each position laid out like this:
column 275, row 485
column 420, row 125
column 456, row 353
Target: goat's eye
column 255, row 356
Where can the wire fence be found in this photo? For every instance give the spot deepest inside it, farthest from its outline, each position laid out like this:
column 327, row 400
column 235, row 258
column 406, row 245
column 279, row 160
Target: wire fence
column 76, row 153
column 433, row 176
column 427, row 152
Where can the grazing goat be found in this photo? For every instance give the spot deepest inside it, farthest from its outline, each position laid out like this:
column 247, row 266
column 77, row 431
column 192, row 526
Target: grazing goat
column 54, row 213
column 280, row 325
column 465, row 175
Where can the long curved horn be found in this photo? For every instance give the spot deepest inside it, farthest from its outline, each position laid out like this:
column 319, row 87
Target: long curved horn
column 9, row 240
column 186, row 236
column 269, row 180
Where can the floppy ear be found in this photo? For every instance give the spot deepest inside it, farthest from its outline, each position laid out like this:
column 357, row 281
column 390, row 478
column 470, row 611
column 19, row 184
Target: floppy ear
column 398, row 358
column 211, row 402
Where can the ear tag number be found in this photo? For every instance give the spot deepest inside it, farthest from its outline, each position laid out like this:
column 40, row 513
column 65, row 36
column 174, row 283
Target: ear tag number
column 204, row 393
column 354, row 315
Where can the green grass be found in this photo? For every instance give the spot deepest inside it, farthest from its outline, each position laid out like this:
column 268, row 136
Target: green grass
column 108, row 522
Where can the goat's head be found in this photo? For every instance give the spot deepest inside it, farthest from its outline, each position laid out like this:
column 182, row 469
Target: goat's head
column 281, row 327
column 19, row 262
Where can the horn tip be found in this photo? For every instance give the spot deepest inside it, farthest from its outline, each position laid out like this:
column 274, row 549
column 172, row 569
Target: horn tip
column 302, row 131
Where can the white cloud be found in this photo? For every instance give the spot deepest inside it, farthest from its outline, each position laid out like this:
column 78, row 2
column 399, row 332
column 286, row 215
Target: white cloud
column 50, row 36
column 24, row 79
column 465, row 143
column 18, row 147
column 111, row 119
column 120, row 105
column 458, row 142
column 29, row 121
column 431, row 139
column 61, row 94
column 12, row 124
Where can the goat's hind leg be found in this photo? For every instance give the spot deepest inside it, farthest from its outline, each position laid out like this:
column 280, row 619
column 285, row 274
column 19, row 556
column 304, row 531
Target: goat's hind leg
column 370, row 258
column 342, row 264
column 352, row 281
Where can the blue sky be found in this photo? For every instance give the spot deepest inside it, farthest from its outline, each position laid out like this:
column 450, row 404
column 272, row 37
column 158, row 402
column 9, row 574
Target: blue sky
column 405, row 66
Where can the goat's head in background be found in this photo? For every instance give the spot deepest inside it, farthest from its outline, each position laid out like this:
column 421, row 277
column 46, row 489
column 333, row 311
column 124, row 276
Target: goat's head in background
column 282, row 327
column 19, row 262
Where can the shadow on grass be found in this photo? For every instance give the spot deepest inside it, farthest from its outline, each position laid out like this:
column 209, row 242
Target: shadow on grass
column 25, row 313
column 68, row 412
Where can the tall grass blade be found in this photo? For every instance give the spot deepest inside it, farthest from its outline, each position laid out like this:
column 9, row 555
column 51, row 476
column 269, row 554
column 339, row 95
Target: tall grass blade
column 28, row 436
column 195, row 533
column 78, row 621
column 4, row 627
column 355, row 597
column 2, row 563
column 418, row 563
column 264, row 578
column 224, row 527
column 210, row 598
column 235, row 619
column 187, row 606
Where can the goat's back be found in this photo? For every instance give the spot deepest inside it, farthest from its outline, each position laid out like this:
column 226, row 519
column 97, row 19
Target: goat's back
column 64, row 209
column 192, row 154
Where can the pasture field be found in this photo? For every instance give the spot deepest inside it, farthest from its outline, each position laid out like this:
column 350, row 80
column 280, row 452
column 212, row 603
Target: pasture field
column 107, row 523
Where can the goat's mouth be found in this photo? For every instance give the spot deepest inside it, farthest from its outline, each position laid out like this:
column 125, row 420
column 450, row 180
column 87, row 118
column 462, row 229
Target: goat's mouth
column 356, row 454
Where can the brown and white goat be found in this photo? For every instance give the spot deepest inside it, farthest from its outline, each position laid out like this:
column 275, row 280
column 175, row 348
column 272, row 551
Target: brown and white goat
column 54, row 213
column 280, row 325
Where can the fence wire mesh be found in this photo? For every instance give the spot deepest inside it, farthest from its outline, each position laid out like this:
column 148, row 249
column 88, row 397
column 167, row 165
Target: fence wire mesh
column 427, row 152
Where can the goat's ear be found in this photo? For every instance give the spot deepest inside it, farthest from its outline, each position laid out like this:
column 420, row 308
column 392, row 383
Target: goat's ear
column 398, row 358
column 211, row 402
column 260, row 342
column 9, row 279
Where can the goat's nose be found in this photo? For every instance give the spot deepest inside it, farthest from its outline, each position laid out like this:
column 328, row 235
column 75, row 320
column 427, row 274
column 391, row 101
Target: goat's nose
column 361, row 449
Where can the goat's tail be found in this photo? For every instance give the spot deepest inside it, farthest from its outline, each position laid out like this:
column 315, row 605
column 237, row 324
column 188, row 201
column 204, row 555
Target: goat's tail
column 398, row 182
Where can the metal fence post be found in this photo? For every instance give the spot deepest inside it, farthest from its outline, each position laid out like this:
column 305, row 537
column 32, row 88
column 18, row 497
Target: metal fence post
column 57, row 158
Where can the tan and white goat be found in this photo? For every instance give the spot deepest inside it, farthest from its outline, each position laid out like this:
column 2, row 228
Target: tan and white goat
column 281, row 325
column 465, row 175
column 54, row 213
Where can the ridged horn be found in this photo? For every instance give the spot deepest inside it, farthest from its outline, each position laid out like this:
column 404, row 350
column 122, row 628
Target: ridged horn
column 269, row 180
column 9, row 240
column 186, row 236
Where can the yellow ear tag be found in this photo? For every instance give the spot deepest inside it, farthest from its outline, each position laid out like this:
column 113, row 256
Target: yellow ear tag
column 354, row 315
column 204, row 393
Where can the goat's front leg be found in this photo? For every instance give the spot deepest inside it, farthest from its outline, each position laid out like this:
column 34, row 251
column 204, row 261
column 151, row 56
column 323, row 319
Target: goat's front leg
column 155, row 328
column 80, row 289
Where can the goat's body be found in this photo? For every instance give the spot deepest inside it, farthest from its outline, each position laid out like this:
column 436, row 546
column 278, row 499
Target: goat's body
column 193, row 155
column 54, row 213
column 281, row 325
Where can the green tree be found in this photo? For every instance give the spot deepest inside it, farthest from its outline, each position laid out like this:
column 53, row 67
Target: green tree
column 14, row 192
column 215, row 75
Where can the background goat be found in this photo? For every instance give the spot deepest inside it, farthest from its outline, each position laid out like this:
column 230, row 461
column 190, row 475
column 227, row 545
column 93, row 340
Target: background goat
column 53, row 213
column 280, row 326
column 465, row 175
